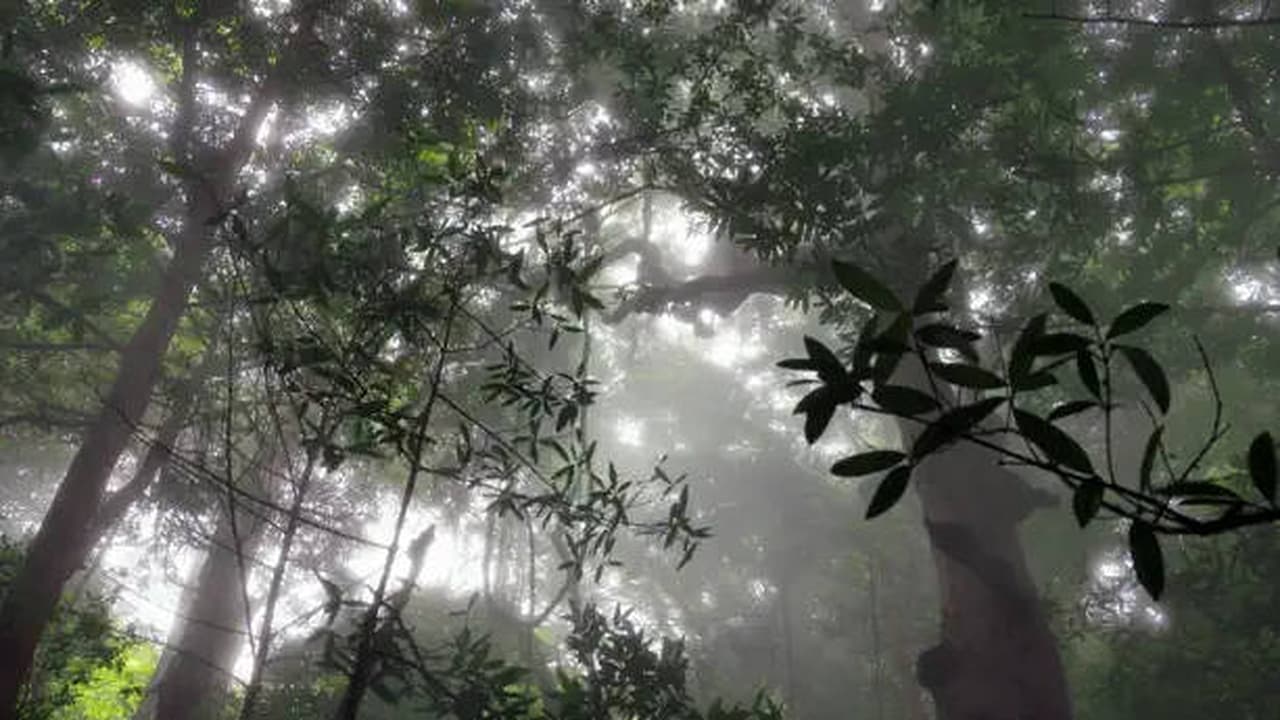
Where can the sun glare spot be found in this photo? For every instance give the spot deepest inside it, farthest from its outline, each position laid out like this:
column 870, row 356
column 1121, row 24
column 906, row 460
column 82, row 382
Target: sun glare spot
column 132, row 82
column 630, row 432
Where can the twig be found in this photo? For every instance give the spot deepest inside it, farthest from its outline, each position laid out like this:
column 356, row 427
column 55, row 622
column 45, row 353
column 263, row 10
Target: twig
column 1111, row 19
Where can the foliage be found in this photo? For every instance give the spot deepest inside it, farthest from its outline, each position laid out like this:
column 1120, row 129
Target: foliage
column 87, row 667
column 1162, row 498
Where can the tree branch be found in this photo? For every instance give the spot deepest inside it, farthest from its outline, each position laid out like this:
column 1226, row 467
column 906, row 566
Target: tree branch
column 1110, row 19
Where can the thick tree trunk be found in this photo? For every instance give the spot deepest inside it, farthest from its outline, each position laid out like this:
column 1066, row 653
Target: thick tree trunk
column 62, row 543
column 996, row 658
column 196, row 668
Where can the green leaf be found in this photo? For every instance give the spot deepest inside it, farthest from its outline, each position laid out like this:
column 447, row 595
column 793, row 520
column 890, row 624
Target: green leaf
column 952, row 424
column 929, row 297
column 1088, row 373
column 1262, row 465
column 865, row 287
column 889, row 491
column 1071, row 303
column 1070, row 408
column 1087, row 500
column 1148, row 560
column 867, row 463
column 1150, row 373
column 1135, row 318
column 970, row 376
column 1060, row 447
column 945, row 336
column 904, row 401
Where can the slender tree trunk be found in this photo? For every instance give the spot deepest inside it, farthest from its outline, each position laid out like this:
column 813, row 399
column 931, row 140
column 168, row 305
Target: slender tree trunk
column 63, row 541
column 365, row 661
column 266, row 632
column 195, row 670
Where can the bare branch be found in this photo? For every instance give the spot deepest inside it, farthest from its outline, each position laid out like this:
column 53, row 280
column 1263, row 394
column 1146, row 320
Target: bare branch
column 1199, row 24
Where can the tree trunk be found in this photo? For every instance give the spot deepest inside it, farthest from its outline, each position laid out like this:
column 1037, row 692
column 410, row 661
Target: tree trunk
column 997, row 658
column 62, row 543
column 195, row 669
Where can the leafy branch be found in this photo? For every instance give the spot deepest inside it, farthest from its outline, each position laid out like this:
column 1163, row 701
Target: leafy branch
column 1161, row 500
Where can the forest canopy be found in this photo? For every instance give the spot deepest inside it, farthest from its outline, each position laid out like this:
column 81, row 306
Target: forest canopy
column 693, row 359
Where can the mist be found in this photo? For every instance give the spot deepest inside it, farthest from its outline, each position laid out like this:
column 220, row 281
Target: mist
column 698, row 360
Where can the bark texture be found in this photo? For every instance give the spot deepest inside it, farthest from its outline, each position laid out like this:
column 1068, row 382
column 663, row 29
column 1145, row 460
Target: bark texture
column 996, row 658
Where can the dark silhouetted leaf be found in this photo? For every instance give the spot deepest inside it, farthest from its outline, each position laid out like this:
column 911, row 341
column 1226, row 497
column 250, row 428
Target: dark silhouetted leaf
column 1262, row 465
column 1022, row 355
column 865, row 287
column 863, row 353
column 1088, row 373
column 867, row 463
column 566, row 416
column 945, row 336
column 903, row 400
column 1149, row 458
column 890, row 346
column 817, row 419
column 1148, row 561
column 1071, row 303
column 827, row 364
column 1070, row 408
column 889, row 492
column 894, row 337
column 1035, row 381
column 952, row 424
column 1198, row 489
column 815, row 398
column 1060, row 447
column 929, row 297
column 1150, row 373
column 970, row 376
column 797, row 364
column 1135, row 318
column 1087, row 500
column 1058, row 344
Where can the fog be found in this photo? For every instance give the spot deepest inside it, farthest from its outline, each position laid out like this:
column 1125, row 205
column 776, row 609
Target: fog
column 692, row 360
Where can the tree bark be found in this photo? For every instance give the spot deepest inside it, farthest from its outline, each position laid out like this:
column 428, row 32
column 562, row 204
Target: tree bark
column 196, row 668
column 996, row 658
